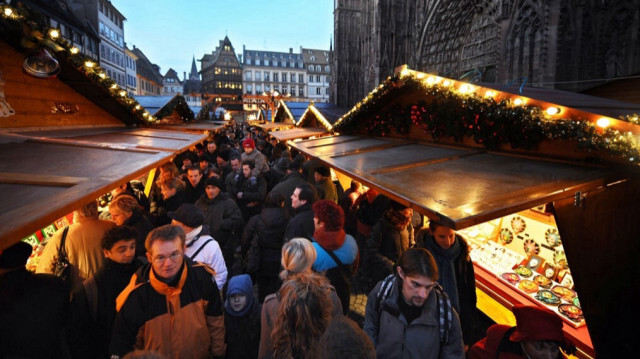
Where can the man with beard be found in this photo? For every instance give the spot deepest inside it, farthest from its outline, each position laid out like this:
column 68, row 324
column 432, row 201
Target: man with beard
column 409, row 316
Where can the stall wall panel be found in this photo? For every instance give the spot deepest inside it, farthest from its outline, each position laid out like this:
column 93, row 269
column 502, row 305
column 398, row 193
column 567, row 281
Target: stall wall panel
column 601, row 239
column 34, row 99
column 16, row 195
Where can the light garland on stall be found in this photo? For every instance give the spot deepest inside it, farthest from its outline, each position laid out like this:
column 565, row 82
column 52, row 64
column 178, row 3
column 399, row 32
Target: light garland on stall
column 318, row 116
column 23, row 23
column 463, row 112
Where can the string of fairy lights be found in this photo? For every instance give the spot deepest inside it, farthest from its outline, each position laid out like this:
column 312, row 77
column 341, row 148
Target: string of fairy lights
column 458, row 110
column 20, row 20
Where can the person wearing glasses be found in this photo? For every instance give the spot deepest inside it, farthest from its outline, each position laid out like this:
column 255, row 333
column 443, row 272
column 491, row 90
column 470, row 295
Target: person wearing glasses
column 172, row 305
column 408, row 315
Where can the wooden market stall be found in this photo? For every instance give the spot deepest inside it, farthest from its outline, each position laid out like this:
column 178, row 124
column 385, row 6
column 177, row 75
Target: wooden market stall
column 317, row 120
column 167, row 109
column 474, row 159
column 68, row 133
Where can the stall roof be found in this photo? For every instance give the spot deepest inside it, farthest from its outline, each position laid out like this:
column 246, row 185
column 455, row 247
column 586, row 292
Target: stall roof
column 45, row 175
column 460, row 186
column 154, row 103
column 196, row 127
column 294, row 109
column 298, row 133
column 275, row 126
column 321, row 115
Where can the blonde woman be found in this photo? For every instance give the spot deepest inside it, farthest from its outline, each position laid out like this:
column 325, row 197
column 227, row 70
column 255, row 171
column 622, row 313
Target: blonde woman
column 125, row 211
column 297, row 257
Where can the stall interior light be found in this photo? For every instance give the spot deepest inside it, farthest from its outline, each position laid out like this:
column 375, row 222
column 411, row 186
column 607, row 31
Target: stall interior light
column 74, row 50
column 420, row 76
column 102, row 75
column 446, row 83
column 137, row 107
column 490, row 93
column 552, row 111
column 89, row 64
column 603, row 122
column 123, row 93
column 466, row 88
column 114, row 86
column 8, row 11
column 431, row 80
column 518, row 101
column 54, row 33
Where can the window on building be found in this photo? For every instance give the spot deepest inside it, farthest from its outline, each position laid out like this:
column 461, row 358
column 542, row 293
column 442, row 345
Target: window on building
column 317, row 90
column 249, row 88
column 284, row 64
column 284, row 77
column 301, row 91
column 313, row 58
column 301, row 78
column 266, row 76
column 266, row 62
column 276, row 88
column 318, row 68
column 310, row 67
column 275, row 62
column 258, row 76
column 248, row 61
column 292, row 76
column 101, row 7
column 326, row 90
column 248, row 75
column 326, row 68
column 257, row 62
column 267, row 87
column 317, row 78
column 258, row 88
column 275, row 77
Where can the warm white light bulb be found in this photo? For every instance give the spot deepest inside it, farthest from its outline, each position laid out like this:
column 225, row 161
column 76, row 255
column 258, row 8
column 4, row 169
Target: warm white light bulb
column 518, row 101
column 551, row 111
column 603, row 122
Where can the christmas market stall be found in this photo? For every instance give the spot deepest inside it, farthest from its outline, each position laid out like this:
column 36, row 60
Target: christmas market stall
column 68, row 133
column 547, row 195
column 317, row 120
column 167, row 109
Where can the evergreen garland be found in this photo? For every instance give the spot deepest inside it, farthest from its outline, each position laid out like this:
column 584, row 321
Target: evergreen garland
column 489, row 122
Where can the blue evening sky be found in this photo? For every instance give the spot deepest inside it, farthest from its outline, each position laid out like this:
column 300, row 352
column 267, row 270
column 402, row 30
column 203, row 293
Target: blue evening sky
column 171, row 32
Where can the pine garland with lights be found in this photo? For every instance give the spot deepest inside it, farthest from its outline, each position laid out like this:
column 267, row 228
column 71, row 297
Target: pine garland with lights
column 489, row 122
column 29, row 30
column 180, row 105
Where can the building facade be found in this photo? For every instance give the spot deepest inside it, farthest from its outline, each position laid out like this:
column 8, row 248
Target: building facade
column 75, row 29
column 130, row 71
column 109, row 22
column 148, row 77
column 563, row 44
column 318, row 77
column 269, row 71
column 222, row 72
column 171, row 83
column 193, row 87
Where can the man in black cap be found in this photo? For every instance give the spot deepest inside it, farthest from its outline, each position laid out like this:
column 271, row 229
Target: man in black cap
column 291, row 180
column 199, row 245
column 28, row 299
column 222, row 216
column 326, row 189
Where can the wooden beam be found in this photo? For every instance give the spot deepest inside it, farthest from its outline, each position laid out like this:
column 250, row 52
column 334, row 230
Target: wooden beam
column 38, row 179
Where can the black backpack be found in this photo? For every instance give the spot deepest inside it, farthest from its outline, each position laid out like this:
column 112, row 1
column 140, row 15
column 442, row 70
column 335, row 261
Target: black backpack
column 445, row 310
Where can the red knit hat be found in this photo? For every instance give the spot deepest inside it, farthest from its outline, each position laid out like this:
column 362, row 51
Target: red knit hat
column 537, row 323
column 249, row 143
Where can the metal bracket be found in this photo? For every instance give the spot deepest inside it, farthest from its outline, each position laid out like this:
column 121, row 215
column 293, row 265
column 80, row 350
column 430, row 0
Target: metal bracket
column 578, row 199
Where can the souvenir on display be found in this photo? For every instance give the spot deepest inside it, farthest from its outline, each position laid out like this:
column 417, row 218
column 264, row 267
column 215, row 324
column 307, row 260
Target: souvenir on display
column 564, row 292
column 549, row 271
column 524, row 271
column 535, row 262
column 49, row 230
column 518, row 224
column 542, row 281
column 576, row 302
column 548, row 297
column 511, row 278
column 531, row 247
column 571, row 311
column 552, row 237
column 560, row 259
column 62, row 222
column 506, row 236
column 32, row 240
column 528, row 286
column 567, row 280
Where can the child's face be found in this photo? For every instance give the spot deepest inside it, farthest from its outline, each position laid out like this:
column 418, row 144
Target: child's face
column 238, row 301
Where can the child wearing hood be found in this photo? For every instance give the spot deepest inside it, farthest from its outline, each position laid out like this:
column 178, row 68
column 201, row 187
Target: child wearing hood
column 242, row 319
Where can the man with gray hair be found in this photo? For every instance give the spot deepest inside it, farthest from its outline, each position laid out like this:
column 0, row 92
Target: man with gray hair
column 82, row 243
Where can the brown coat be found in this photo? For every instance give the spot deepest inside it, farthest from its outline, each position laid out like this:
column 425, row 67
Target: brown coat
column 83, row 245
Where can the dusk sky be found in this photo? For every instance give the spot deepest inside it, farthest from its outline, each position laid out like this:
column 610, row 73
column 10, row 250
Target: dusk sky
column 171, row 32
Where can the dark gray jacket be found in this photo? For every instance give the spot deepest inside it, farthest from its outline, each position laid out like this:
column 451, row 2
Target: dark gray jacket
column 394, row 338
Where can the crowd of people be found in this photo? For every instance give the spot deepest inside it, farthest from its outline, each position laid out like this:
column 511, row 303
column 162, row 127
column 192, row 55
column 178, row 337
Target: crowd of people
column 172, row 274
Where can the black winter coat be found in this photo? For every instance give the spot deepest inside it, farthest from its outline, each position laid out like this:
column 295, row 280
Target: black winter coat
column 243, row 334
column 286, row 189
column 223, row 217
column 302, row 224
column 465, row 280
column 89, row 337
column 385, row 246
column 142, row 224
column 269, row 225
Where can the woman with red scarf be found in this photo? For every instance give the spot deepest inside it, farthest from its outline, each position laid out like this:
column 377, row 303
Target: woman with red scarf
column 337, row 252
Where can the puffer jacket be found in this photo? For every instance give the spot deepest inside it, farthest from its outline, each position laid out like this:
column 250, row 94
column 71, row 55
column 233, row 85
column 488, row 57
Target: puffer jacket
column 185, row 321
column 394, row 338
